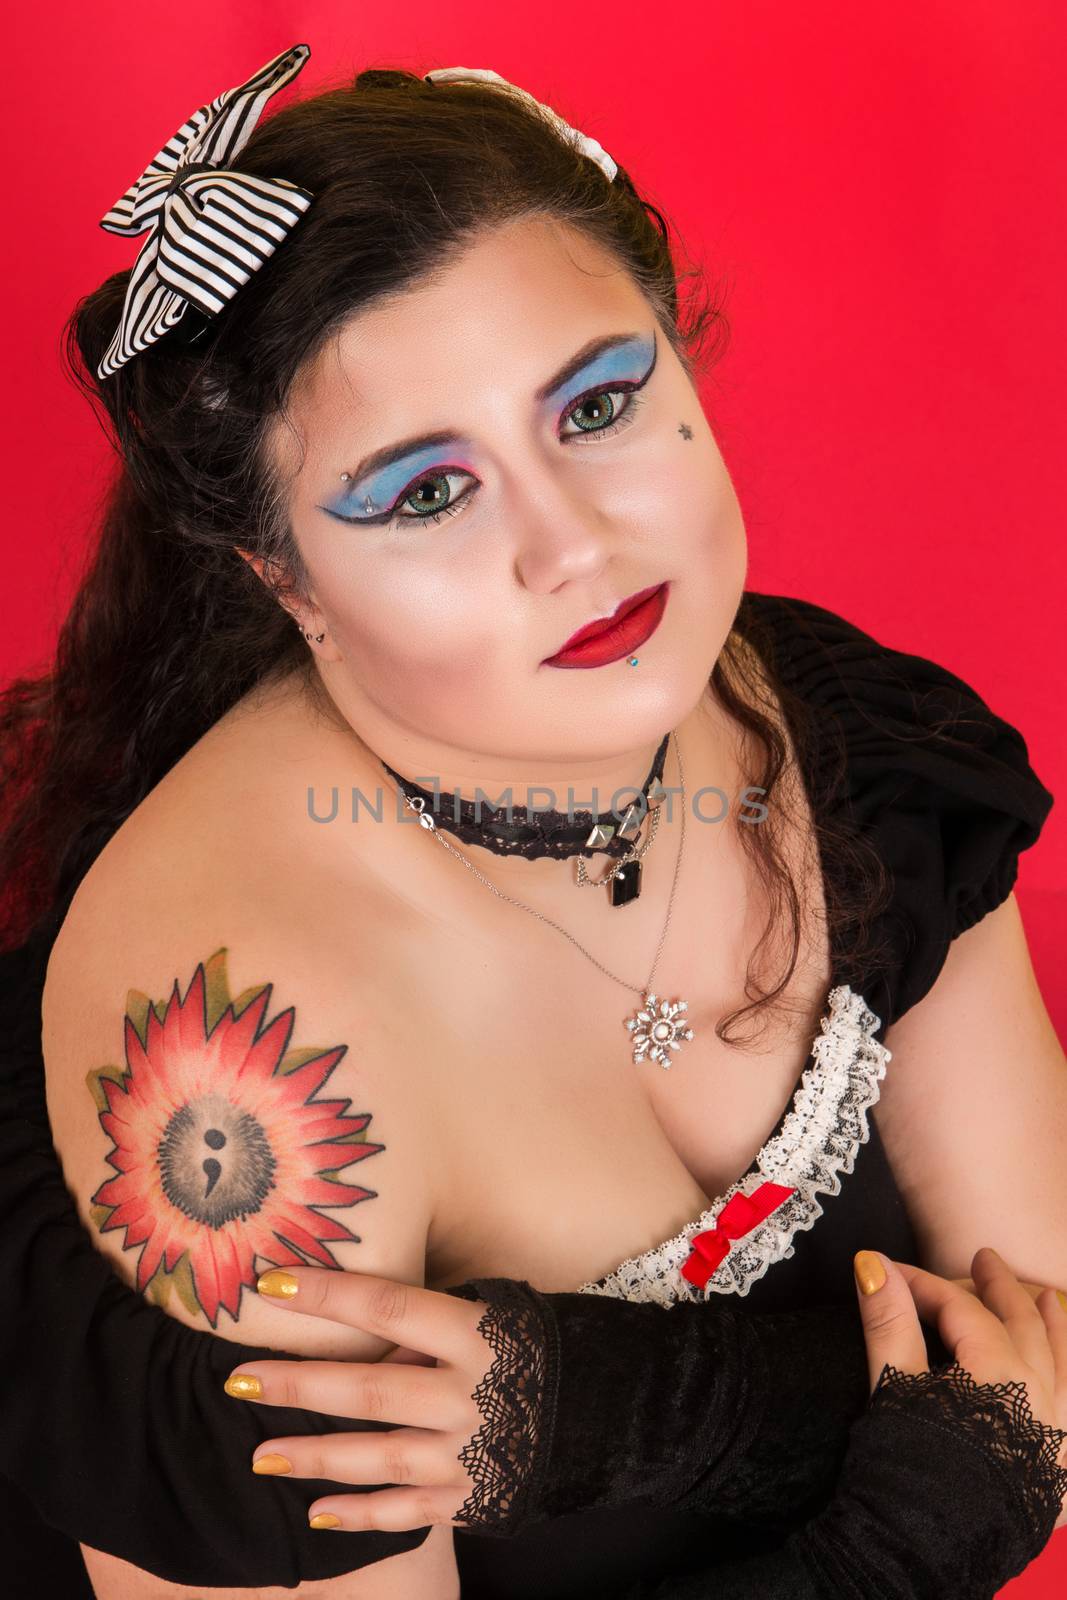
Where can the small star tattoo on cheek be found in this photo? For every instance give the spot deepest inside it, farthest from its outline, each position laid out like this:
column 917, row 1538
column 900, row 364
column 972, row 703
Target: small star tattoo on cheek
column 685, row 430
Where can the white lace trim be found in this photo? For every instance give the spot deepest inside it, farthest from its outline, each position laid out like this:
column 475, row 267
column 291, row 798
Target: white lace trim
column 819, row 1140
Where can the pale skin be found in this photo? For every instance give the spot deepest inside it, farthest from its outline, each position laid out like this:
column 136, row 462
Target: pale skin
column 432, row 648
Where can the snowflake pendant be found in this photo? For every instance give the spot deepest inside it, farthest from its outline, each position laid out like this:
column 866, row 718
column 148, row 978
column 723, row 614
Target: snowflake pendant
column 657, row 1032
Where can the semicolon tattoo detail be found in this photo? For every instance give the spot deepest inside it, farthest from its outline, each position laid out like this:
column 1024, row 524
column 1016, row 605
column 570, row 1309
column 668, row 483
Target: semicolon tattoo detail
column 222, row 1151
column 685, row 430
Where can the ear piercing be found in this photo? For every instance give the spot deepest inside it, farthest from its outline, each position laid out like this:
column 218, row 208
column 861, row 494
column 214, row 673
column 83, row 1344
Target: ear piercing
column 319, row 637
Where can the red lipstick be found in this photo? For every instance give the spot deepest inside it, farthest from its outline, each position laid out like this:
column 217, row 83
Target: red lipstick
column 611, row 638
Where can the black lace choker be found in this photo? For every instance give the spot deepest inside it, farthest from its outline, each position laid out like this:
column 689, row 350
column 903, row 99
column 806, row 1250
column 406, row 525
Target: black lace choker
column 517, row 831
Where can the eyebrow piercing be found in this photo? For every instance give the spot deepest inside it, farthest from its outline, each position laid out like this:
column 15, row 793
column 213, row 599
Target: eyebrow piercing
column 368, row 504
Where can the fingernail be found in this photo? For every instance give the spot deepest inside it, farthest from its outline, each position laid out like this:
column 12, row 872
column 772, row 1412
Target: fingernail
column 324, row 1519
column 276, row 1282
column 1062, row 1298
column 273, row 1464
column 870, row 1271
column 243, row 1386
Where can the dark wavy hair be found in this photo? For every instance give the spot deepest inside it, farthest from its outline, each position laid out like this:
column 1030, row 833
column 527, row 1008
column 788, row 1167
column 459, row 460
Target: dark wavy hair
column 169, row 626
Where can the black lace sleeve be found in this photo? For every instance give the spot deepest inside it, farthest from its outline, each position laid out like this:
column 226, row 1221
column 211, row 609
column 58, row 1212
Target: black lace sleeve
column 593, row 1402
column 946, row 1487
column 506, row 1458
column 949, row 1489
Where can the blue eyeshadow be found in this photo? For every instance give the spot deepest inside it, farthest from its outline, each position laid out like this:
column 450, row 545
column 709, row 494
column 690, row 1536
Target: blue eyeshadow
column 383, row 487
column 629, row 361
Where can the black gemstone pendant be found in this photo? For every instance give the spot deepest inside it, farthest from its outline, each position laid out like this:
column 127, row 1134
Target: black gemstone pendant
column 626, row 885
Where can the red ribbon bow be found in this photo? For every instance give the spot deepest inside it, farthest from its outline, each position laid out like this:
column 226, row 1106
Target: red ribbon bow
column 738, row 1216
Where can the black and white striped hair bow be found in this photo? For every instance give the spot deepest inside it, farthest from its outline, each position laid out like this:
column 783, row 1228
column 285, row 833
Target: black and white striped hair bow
column 210, row 228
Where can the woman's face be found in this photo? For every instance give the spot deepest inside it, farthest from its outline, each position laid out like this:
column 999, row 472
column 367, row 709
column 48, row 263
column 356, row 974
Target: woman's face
column 544, row 501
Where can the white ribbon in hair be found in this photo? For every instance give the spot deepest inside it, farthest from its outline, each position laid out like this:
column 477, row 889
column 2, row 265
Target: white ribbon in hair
column 210, row 228
column 582, row 141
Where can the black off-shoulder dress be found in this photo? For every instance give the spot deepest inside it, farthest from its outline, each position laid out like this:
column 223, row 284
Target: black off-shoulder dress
column 116, row 1430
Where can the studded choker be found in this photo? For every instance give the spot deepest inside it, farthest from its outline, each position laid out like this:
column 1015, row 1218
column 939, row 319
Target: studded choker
column 519, row 831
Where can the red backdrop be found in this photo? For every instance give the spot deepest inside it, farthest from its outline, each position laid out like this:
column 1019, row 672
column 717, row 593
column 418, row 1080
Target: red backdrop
column 883, row 188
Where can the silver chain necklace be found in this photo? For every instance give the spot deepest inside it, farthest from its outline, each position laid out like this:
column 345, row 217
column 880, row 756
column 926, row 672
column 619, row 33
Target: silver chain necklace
column 658, row 1026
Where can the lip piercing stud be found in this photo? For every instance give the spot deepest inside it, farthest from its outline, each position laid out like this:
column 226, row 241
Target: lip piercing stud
column 345, row 477
column 633, row 661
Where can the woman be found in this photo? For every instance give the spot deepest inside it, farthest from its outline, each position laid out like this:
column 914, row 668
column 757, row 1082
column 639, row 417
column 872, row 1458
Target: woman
column 253, row 443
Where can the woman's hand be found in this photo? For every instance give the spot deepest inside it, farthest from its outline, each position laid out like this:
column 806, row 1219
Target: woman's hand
column 999, row 1329
column 425, row 1386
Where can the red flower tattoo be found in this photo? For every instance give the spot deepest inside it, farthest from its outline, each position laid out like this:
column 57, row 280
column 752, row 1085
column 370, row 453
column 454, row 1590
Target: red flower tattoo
column 222, row 1151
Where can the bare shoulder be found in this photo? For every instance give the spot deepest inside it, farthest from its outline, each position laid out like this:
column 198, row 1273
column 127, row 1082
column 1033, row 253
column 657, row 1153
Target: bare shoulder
column 217, row 1085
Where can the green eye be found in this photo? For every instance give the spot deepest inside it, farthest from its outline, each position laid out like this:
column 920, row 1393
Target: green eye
column 602, row 414
column 433, row 506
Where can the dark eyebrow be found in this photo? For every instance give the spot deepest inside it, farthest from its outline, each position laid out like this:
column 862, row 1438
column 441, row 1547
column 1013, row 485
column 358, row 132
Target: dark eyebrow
column 427, row 441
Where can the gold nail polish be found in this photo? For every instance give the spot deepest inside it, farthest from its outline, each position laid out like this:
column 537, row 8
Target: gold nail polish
column 1062, row 1298
column 870, row 1271
column 324, row 1519
column 278, row 1283
column 272, row 1464
column 243, row 1386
